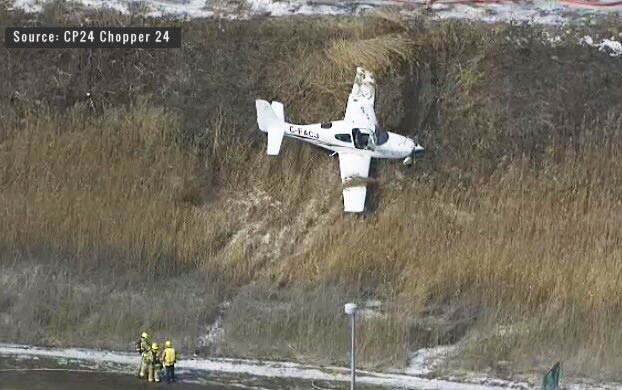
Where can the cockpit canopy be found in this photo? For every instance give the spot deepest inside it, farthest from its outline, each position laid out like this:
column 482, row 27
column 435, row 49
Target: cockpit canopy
column 381, row 135
column 369, row 138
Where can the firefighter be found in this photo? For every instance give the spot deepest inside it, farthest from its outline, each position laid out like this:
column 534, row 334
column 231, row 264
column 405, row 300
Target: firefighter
column 168, row 359
column 143, row 346
column 154, row 363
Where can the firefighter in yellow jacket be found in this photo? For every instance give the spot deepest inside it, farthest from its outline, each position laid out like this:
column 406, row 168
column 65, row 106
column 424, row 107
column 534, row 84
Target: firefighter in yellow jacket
column 144, row 348
column 168, row 359
column 154, row 363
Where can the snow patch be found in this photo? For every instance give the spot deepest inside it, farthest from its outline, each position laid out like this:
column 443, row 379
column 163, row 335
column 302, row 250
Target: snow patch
column 424, row 361
column 609, row 46
column 155, row 8
column 215, row 332
column 286, row 8
column 536, row 11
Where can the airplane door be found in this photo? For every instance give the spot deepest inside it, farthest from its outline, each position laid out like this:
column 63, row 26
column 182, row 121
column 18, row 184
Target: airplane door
column 362, row 139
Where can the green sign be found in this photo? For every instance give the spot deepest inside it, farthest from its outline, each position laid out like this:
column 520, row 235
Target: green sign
column 551, row 379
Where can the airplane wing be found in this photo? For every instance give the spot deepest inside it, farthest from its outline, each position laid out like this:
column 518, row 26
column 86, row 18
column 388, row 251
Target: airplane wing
column 360, row 109
column 354, row 166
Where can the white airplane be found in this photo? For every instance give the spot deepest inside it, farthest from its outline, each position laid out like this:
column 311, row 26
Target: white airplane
column 357, row 138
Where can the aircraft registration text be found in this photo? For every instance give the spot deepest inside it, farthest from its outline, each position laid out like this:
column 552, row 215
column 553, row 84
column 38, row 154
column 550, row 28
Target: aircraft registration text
column 303, row 132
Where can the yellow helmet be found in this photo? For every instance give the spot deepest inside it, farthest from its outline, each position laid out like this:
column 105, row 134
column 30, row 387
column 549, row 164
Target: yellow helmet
column 168, row 344
column 155, row 346
column 144, row 335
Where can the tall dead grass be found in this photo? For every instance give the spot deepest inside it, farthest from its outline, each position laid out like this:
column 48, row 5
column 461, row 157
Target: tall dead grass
column 323, row 79
column 375, row 54
column 111, row 189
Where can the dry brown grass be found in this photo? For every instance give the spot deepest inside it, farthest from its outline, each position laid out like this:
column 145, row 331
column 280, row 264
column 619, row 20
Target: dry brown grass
column 391, row 17
column 111, row 185
column 378, row 55
column 322, row 80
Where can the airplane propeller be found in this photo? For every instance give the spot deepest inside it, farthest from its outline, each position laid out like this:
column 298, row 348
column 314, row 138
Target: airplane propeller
column 410, row 159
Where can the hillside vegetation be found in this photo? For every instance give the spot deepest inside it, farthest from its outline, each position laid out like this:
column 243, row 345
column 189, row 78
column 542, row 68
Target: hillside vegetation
column 152, row 202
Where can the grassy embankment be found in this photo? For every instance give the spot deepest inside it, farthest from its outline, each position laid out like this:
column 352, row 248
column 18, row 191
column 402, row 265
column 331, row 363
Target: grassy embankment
column 152, row 203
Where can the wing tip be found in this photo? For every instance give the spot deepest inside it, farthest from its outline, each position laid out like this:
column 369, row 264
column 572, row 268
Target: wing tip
column 354, row 199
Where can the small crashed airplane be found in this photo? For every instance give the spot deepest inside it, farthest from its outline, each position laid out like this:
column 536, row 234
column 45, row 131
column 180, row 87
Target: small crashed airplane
column 356, row 139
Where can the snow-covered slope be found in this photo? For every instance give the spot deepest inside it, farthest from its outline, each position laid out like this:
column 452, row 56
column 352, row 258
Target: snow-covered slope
column 537, row 11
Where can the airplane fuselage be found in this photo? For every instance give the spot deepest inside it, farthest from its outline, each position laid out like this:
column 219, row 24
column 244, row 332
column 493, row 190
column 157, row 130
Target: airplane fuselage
column 340, row 136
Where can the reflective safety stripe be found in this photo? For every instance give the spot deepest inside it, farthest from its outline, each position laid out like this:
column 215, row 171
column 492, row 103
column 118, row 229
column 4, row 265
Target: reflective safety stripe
column 169, row 357
column 145, row 345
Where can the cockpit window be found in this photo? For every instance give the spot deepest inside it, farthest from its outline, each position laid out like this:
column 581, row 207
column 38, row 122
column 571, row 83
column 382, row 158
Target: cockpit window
column 363, row 138
column 381, row 136
column 344, row 137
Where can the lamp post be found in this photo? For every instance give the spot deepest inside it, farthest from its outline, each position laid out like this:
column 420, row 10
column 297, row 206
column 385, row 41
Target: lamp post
column 350, row 309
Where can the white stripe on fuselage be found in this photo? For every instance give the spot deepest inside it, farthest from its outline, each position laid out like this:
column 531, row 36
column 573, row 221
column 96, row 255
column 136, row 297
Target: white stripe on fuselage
column 325, row 138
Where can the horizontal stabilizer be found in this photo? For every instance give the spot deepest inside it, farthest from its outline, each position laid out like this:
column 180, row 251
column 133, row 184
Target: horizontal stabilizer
column 271, row 121
column 275, row 137
column 279, row 110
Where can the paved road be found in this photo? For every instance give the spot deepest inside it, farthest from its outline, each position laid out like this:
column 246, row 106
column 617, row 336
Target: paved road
column 72, row 380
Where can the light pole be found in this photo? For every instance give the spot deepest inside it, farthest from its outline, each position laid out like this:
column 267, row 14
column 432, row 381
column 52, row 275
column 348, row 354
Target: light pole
column 350, row 309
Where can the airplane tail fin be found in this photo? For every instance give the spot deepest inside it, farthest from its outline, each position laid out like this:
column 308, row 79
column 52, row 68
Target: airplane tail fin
column 271, row 119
